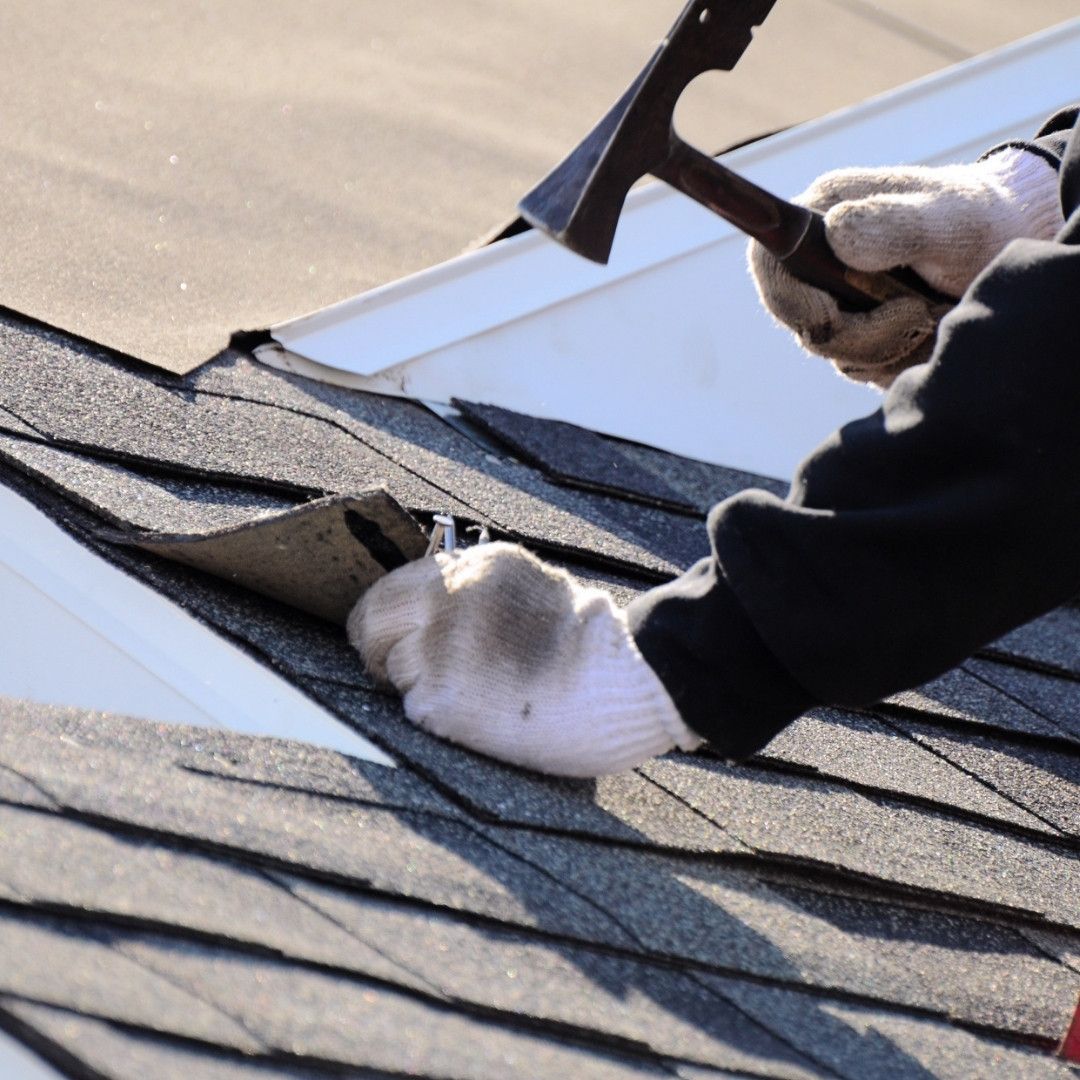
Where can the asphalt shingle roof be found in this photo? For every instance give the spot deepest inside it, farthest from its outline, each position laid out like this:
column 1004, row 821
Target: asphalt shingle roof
column 888, row 893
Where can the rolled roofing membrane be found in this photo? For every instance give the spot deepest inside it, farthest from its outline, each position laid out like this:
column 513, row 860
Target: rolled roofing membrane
column 80, row 632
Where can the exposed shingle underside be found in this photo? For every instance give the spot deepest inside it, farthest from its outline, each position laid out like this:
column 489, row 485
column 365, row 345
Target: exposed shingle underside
column 888, row 894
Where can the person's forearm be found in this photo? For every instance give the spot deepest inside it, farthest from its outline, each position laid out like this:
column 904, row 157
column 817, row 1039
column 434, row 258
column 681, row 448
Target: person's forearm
column 911, row 537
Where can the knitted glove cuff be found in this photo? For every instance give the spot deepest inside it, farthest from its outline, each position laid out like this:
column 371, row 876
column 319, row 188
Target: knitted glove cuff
column 1033, row 184
column 655, row 698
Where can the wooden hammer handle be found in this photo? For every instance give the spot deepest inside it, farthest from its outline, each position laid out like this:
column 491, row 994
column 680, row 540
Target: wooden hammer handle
column 794, row 234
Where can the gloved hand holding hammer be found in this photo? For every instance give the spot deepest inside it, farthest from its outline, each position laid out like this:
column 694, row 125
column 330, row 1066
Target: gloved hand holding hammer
column 944, row 223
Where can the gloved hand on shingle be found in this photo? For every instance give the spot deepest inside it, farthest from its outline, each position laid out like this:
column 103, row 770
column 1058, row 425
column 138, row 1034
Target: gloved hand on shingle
column 946, row 223
column 493, row 649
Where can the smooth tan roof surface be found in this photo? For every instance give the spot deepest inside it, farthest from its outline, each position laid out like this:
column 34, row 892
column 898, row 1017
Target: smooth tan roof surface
column 173, row 173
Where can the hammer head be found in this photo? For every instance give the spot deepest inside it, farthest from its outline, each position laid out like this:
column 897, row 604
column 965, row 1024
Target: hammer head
column 580, row 201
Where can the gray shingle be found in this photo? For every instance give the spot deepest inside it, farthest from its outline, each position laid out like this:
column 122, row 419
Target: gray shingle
column 513, row 496
column 400, row 851
column 312, row 1014
column 626, row 807
column 16, row 789
column 127, row 497
column 965, row 969
column 106, row 405
column 38, row 733
column 189, row 827
column 966, row 694
column 1056, row 701
column 9, row 422
column 125, row 1054
column 57, row 962
column 861, row 1043
column 1052, row 640
column 701, row 483
column 1062, row 946
column 571, row 454
column 728, row 919
column 828, row 824
column 47, row 860
column 269, row 432
column 1045, row 781
column 557, row 983
column 864, row 751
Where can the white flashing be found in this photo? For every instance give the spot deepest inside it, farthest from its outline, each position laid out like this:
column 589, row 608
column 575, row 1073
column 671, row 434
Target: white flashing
column 667, row 344
column 79, row 632
column 19, row 1062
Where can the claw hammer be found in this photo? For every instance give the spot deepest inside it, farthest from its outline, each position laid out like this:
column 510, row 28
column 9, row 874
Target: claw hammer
column 580, row 201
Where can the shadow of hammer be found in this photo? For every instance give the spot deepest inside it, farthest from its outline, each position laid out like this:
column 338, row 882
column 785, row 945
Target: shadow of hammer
column 580, row 201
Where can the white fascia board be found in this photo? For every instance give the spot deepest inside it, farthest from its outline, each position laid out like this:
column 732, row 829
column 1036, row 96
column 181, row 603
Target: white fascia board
column 667, row 344
column 18, row 1062
column 79, row 632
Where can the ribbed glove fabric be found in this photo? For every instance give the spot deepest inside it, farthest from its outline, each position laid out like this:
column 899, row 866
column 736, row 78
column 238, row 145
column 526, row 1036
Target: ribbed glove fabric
column 495, row 650
column 947, row 223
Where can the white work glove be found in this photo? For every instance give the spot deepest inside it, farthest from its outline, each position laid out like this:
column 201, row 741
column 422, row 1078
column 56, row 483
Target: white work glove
column 946, row 223
column 495, row 650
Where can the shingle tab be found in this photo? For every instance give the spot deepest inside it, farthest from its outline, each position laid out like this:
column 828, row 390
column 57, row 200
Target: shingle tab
column 58, row 962
column 106, row 405
column 575, row 455
column 969, row 694
column 729, row 919
column 860, row 1043
column 37, row 734
column 513, row 496
column 558, row 983
column 1042, row 780
column 627, row 807
column 1055, row 700
column 47, row 860
column 830, row 825
column 16, row 789
column 869, row 753
column 399, row 851
column 10, row 422
column 312, row 1014
column 701, row 483
column 1052, row 640
column 292, row 641
column 318, row 557
column 126, row 1054
column 129, row 498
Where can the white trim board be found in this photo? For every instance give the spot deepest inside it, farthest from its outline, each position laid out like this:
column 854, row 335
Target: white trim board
column 667, row 344
column 79, row 632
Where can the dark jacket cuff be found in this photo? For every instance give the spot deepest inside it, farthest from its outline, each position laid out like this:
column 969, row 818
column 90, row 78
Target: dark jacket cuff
column 726, row 684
